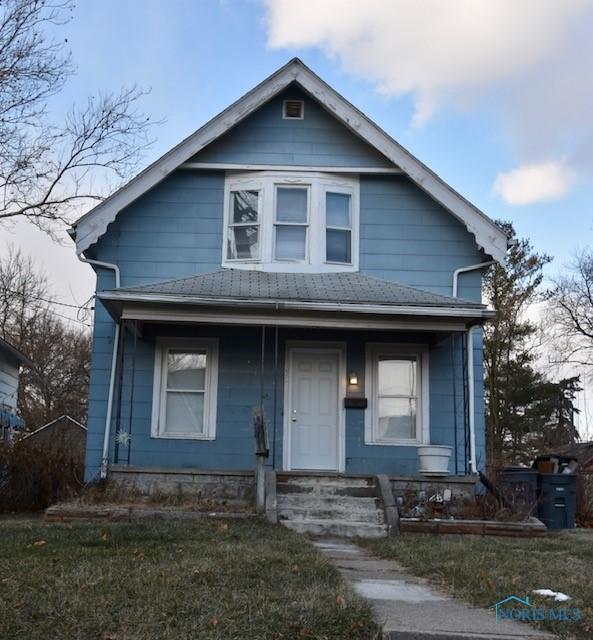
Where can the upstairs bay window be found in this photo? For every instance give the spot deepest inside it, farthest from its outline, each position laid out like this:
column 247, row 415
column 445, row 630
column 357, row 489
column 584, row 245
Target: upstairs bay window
column 281, row 221
column 290, row 226
column 338, row 227
column 243, row 233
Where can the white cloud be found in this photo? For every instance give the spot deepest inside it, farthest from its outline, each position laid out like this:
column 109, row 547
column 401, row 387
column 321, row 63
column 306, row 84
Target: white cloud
column 528, row 61
column 531, row 183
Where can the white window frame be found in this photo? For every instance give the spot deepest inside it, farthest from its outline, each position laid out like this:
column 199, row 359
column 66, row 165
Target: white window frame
column 162, row 347
column 318, row 185
column 346, row 191
column 231, row 225
column 306, row 224
column 373, row 352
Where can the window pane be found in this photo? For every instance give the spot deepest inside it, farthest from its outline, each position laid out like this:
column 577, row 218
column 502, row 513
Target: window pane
column 243, row 242
column 397, row 376
column 337, row 246
column 184, row 413
column 290, row 242
column 244, row 206
column 186, row 370
column 397, row 418
column 291, row 204
column 337, row 209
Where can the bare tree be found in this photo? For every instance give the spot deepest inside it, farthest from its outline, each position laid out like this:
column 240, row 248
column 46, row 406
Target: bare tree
column 58, row 381
column 49, row 170
column 571, row 320
column 57, row 384
column 23, row 297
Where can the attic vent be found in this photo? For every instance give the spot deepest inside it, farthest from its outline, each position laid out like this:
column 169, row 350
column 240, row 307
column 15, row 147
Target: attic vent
column 293, row 109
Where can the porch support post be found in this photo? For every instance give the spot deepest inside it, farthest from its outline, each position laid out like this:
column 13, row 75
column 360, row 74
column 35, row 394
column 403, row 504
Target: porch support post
column 385, row 494
column 471, row 400
column 260, row 484
column 271, row 502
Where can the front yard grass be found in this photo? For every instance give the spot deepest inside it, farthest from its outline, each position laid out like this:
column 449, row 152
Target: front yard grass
column 202, row 580
column 484, row 570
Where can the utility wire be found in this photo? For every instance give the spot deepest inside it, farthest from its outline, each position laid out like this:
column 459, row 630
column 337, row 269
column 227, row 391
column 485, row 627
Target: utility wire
column 50, row 301
column 78, row 308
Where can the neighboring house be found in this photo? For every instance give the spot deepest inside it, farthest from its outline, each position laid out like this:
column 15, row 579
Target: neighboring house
column 582, row 451
column 65, row 436
column 11, row 361
column 289, row 255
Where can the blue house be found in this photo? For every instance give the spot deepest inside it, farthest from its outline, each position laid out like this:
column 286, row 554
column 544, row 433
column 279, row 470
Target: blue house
column 11, row 361
column 288, row 265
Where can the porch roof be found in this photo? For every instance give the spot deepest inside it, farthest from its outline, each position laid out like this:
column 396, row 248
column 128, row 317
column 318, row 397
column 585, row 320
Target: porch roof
column 351, row 292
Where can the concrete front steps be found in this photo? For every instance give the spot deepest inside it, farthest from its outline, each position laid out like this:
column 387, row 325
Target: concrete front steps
column 325, row 505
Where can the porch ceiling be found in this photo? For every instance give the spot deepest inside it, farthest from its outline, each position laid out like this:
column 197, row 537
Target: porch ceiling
column 236, row 296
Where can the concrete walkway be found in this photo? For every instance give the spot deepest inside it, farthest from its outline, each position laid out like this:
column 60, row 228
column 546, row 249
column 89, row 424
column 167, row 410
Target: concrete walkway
column 410, row 609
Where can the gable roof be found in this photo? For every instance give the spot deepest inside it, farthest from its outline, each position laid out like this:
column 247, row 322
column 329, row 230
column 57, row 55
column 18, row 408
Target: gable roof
column 19, row 356
column 88, row 229
column 49, row 424
column 312, row 291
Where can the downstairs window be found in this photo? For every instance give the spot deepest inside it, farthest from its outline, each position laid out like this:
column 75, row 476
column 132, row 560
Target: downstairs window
column 185, row 386
column 397, row 388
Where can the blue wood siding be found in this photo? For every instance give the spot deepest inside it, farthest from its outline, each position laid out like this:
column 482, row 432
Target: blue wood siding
column 172, row 231
column 9, row 380
column 265, row 137
column 239, row 394
column 407, row 237
column 176, row 230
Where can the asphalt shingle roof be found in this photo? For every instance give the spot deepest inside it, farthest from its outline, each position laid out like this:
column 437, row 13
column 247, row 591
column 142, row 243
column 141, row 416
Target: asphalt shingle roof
column 350, row 288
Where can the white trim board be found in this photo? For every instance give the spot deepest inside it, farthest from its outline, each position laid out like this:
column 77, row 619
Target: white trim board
column 288, row 305
column 218, row 317
column 293, row 168
column 88, row 229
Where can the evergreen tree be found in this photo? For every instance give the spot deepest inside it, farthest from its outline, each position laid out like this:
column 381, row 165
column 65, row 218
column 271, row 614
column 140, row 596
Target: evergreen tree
column 526, row 413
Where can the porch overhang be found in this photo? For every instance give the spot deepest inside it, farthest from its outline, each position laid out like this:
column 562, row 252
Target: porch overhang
column 173, row 309
column 331, row 300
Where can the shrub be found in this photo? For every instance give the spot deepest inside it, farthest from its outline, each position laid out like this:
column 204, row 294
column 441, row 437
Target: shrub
column 585, row 500
column 33, row 477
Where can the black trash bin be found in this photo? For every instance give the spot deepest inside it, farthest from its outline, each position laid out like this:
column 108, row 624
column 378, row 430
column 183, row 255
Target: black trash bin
column 557, row 500
column 519, row 488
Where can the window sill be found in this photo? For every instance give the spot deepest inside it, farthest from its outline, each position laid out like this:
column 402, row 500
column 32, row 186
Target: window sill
column 290, row 266
column 394, row 443
column 182, row 436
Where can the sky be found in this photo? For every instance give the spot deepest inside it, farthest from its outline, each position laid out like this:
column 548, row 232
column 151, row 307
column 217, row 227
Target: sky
column 494, row 96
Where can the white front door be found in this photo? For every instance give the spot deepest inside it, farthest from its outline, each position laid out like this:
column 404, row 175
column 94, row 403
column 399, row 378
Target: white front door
column 314, row 409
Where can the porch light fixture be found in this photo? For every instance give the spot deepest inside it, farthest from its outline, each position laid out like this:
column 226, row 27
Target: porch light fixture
column 352, row 379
